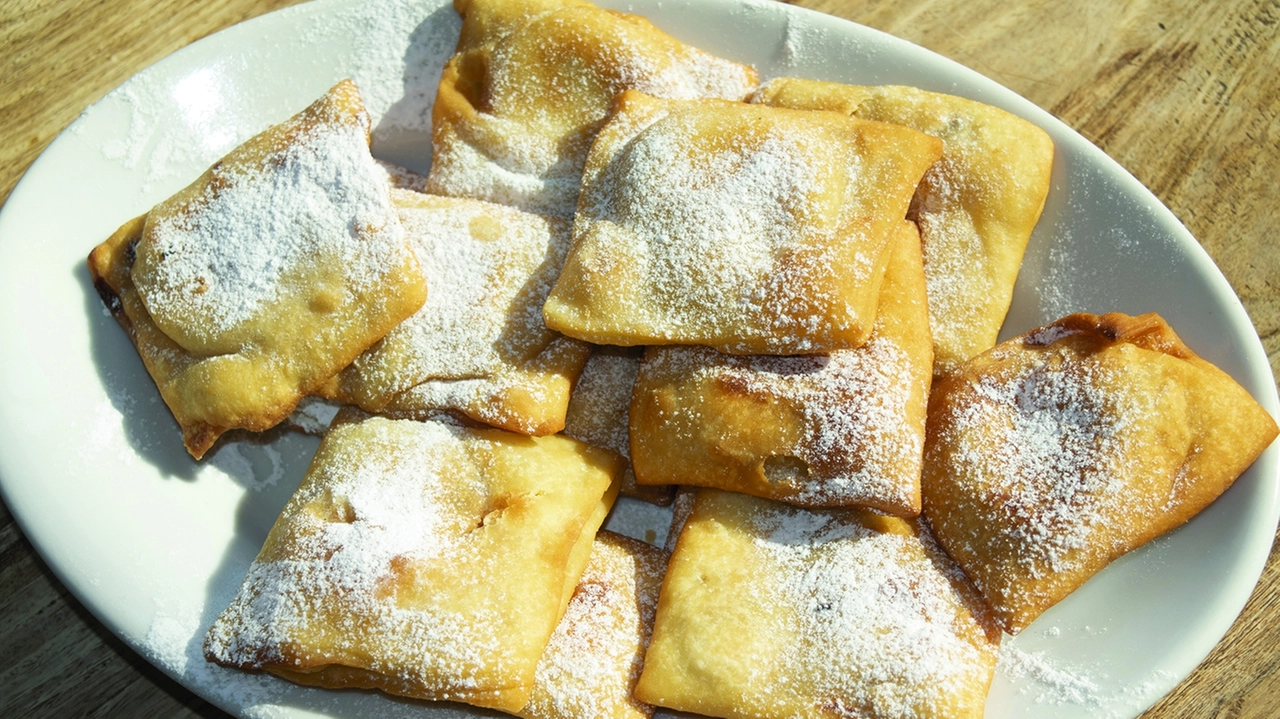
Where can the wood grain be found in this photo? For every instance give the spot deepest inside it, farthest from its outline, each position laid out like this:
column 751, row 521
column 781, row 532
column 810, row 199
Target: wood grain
column 1183, row 94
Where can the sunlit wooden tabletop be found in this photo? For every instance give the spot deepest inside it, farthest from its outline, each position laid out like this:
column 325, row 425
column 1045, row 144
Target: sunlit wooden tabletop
column 1184, row 94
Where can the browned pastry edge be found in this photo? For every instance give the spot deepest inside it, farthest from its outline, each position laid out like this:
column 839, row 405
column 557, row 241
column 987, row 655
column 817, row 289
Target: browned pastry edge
column 1148, row 331
column 109, row 265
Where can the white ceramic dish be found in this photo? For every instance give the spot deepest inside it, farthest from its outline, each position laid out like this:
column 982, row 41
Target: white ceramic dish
column 154, row 544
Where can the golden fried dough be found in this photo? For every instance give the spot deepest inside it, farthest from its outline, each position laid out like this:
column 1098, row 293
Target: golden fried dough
column 773, row 611
column 750, row 229
column 819, row 431
column 593, row 660
column 533, row 81
column 1058, row 451
column 479, row 345
column 976, row 207
column 598, row 413
column 271, row 272
column 422, row 559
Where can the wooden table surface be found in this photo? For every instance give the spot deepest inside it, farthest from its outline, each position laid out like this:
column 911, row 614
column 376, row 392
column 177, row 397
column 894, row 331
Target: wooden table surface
column 1184, row 94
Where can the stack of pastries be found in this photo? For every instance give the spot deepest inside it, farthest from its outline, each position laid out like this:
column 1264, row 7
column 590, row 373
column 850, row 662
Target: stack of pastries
column 634, row 268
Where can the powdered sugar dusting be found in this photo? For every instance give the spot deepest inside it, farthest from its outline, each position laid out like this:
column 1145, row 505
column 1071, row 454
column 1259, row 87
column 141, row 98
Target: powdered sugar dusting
column 472, row 398
column 975, row 215
column 1058, row 685
column 882, row 627
column 694, row 208
column 628, row 58
column 478, row 344
column 599, row 409
column 958, row 269
column 398, row 48
column 172, row 642
column 727, row 240
column 857, row 443
column 488, row 268
column 594, row 657
column 1052, row 472
column 549, row 84
column 1046, row 461
column 401, row 177
column 393, row 49
column 313, row 415
column 855, row 407
column 1050, row 681
column 1067, row 286
column 240, row 460
column 173, row 128
column 599, row 413
column 462, row 170
column 223, row 259
column 386, row 513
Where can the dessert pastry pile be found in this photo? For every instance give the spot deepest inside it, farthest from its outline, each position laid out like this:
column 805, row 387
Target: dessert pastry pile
column 633, row 269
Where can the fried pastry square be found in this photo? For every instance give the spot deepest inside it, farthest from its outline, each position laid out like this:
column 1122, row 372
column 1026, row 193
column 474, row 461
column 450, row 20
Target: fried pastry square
column 1056, row 452
column 420, row 558
column 843, row 429
column 598, row 413
column 478, row 345
column 774, row 611
column 976, row 207
column 750, row 229
column 533, row 81
column 257, row 283
column 594, row 657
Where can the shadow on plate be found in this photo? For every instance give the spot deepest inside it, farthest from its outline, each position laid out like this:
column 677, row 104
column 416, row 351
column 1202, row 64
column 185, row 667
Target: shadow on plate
column 403, row 134
column 148, row 426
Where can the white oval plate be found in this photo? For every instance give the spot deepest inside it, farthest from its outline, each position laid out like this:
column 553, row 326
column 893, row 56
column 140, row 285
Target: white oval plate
column 154, row 544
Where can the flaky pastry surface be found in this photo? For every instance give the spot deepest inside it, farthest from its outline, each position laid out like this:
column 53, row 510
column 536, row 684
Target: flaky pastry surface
column 750, row 229
column 774, row 611
column 976, row 207
column 533, row 81
column 478, row 345
column 840, row 430
column 1058, row 451
column 266, row 276
column 422, row 559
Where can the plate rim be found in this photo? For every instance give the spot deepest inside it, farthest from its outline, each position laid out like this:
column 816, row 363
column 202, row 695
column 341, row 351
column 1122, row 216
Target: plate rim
column 1261, row 380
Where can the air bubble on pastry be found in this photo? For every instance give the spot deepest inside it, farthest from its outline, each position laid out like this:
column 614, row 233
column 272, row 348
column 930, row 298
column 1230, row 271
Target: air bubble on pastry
column 593, row 660
column 775, row 611
column 420, row 558
column 533, row 81
column 750, row 229
column 478, row 345
column 976, row 207
column 255, row 284
column 1062, row 449
column 845, row 429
